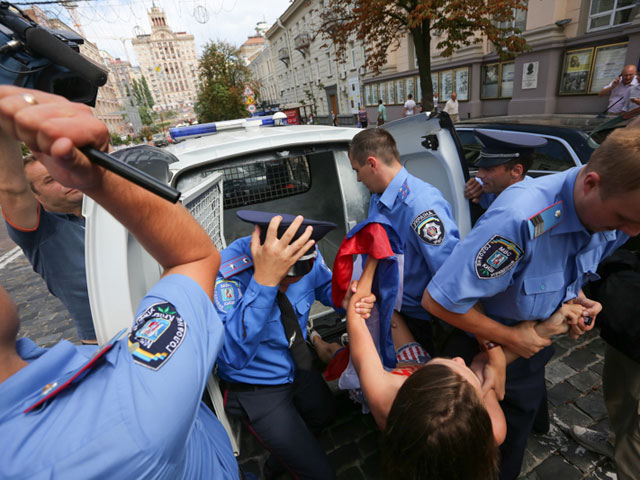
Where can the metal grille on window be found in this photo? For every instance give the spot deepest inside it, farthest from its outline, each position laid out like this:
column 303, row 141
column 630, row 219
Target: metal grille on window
column 204, row 203
column 263, row 181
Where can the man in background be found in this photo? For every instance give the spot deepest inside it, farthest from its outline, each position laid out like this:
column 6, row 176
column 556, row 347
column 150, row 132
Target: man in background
column 451, row 107
column 618, row 89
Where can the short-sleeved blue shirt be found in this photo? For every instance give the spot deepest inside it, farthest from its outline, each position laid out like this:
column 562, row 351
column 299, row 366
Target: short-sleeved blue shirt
column 423, row 220
column 123, row 419
column 521, row 272
column 256, row 350
column 55, row 249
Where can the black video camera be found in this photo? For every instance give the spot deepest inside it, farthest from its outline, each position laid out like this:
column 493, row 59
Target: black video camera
column 48, row 60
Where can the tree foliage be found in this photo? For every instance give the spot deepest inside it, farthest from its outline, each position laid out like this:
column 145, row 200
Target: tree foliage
column 380, row 24
column 224, row 77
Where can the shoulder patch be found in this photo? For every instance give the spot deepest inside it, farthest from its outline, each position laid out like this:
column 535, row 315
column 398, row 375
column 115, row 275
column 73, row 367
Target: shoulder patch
column 156, row 335
column 403, row 192
column 235, row 265
column 497, row 257
column 226, row 294
column 545, row 220
column 429, row 227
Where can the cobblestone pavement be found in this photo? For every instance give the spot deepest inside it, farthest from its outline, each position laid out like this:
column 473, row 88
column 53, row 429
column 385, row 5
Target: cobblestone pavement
column 573, row 379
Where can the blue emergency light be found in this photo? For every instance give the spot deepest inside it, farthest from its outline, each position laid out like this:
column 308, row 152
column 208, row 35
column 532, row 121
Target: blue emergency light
column 182, row 133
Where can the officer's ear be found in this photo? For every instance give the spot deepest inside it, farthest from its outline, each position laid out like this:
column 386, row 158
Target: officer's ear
column 517, row 171
column 372, row 162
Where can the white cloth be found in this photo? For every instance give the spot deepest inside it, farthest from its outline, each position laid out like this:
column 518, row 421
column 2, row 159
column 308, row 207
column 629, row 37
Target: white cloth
column 451, row 107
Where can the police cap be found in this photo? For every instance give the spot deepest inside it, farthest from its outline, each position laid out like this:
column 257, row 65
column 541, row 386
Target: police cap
column 499, row 148
column 320, row 229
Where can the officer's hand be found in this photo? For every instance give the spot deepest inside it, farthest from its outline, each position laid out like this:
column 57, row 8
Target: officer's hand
column 528, row 342
column 560, row 321
column 473, row 190
column 591, row 309
column 52, row 128
column 273, row 259
column 362, row 307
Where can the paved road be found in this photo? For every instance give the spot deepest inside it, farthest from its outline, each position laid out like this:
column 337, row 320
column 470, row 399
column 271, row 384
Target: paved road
column 573, row 378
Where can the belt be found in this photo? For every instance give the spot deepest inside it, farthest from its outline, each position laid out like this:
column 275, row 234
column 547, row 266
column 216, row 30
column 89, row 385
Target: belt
column 248, row 387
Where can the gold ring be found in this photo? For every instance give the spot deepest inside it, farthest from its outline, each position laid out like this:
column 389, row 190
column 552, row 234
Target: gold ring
column 30, row 99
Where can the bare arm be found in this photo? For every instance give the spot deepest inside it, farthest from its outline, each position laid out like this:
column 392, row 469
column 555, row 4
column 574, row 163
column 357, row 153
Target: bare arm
column 607, row 90
column 17, row 201
column 520, row 338
column 54, row 128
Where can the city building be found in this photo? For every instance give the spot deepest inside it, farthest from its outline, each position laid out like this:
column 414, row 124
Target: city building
column 122, row 74
column 576, row 48
column 299, row 69
column 169, row 62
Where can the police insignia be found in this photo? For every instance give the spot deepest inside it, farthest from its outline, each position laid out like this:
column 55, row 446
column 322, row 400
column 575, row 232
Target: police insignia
column 227, row 293
column 429, row 227
column 497, row 257
column 156, row 334
column 403, row 191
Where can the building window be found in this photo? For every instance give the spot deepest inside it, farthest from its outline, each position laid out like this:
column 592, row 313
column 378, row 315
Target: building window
column 518, row 21
column 497, row 80
column 330, row 70
column 609, row 13
column 353, row 56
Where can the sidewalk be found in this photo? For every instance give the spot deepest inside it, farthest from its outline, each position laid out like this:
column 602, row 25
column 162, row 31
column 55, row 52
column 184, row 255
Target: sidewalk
column 573, row 378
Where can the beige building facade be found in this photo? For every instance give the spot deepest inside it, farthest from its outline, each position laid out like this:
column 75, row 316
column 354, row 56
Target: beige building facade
column 169, row 62
column 576, row 48
column 298, row 69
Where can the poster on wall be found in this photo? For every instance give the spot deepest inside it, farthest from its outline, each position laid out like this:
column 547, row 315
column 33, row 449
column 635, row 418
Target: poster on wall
column 410, row 88
column 353, row 86
column 434, row 83
column 446, row 85
column 462, row 84
column 575, row 71
column 489, row 81
column 530, row 75
column 399, row 91
column 367, row 95
column 382, row 92
column 391, row 98
column 607, row 65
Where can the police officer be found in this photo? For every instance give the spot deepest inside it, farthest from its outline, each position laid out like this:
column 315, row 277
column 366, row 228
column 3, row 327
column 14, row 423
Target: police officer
column 505, row 159
column 532, row 251
column 417, row 211
column 264, row 291
column 131, row 408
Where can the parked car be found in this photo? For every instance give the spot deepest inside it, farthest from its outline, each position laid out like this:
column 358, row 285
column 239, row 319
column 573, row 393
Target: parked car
column 159, row 140
column 571, row 139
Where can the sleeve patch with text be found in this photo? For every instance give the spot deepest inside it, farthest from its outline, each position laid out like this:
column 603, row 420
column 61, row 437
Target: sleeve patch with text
column 497, row 257
column 429, row 227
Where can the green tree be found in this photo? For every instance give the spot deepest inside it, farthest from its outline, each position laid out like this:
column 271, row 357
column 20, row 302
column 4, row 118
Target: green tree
column 224, row 77
column 147, row 93
column 380, row 24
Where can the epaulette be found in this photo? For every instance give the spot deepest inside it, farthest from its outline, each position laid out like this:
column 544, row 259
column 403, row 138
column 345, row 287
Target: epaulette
column 545, row 220
column 236, row 265
column 403, row 191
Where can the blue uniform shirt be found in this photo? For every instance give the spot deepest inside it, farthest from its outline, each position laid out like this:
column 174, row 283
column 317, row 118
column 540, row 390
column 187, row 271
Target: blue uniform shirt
column 528, row 254
column 423, row 220
column 123, row 419
column 486, row 199
column 256, row 350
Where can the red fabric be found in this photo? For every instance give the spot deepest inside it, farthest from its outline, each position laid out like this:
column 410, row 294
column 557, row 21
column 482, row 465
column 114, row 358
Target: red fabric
column 371, row 240
column 337, row 365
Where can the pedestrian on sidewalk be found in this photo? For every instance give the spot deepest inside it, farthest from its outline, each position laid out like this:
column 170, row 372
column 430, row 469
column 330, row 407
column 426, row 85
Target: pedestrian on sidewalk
column 382, row 114
column 451, row 107
column 362, row 117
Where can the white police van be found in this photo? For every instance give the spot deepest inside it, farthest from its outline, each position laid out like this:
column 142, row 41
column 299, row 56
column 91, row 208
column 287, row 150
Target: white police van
column 249, row 164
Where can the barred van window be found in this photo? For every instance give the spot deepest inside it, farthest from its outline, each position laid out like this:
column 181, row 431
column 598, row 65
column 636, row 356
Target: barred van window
column 262, row 181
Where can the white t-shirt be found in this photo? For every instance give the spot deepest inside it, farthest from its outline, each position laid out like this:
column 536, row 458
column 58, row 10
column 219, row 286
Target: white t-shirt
column 451, row 107
column 410, row 105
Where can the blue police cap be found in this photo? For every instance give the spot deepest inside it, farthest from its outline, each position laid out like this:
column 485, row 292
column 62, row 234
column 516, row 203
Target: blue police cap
column 499, row 148
column 262, row 219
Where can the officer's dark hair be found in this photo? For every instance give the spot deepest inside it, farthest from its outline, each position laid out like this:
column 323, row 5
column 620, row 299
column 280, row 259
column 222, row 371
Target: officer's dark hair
column 438, row 427
column 617, row 161
column 525, row 159
column 374, row 142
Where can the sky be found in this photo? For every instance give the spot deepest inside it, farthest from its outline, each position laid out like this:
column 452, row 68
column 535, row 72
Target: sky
column 106, row 22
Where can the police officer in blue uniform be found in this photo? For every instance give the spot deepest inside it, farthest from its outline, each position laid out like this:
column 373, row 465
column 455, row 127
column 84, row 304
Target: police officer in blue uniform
column 505, row 159
column 532, row 251
column 264, row 292
column 417, row 211
column 131, row 408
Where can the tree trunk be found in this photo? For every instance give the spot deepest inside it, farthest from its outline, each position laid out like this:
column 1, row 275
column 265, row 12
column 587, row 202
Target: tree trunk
column 422, row 42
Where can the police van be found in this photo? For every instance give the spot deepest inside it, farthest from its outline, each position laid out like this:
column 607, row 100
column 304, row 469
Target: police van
column 260, row 164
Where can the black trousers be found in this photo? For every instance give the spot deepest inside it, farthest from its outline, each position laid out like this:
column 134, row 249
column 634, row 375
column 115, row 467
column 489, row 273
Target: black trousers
column 284, row 419
column 525, row 396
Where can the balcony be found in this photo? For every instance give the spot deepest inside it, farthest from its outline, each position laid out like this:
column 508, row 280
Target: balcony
column 283, row 55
